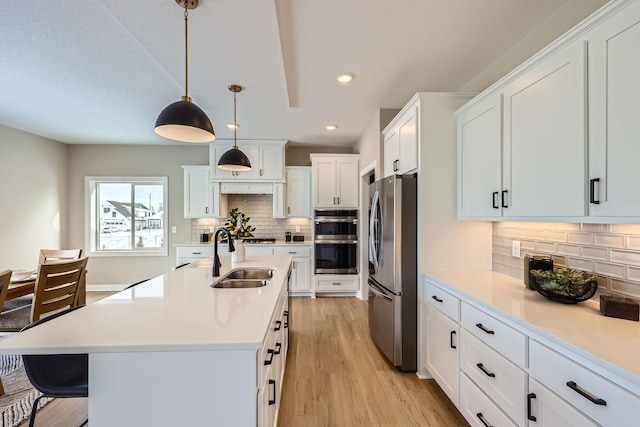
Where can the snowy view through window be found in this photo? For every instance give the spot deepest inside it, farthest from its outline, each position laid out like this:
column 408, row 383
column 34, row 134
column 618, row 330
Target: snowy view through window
column 130, row 216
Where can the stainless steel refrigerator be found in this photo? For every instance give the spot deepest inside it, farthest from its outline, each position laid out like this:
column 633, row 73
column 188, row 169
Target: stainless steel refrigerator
column 393, row 300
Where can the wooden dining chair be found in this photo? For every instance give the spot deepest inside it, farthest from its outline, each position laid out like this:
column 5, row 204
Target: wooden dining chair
column 54, row 255
column 56, row 288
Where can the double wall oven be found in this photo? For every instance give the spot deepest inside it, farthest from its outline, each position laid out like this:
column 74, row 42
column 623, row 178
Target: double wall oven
column 336, row 241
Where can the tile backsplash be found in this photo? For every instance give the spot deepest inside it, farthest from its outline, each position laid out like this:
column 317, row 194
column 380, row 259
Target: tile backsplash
column 612, row 251
column 260, row 208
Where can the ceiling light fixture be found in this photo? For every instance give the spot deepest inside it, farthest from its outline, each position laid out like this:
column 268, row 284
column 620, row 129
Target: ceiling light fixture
column 183, row 120
column 234, row 159
column 331, row 127
column 345, row 78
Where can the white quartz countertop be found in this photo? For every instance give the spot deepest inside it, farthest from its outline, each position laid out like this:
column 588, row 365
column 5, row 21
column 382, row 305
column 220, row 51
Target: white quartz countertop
column 307, row 242
column 615, row 343
column 173, row 312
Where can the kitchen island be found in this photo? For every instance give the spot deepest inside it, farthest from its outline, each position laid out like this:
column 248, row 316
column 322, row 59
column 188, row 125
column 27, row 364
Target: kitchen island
column 175, row 351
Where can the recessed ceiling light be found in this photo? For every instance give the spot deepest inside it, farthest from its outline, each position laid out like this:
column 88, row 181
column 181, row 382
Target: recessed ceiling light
column 345, row 78
column 331, row 127
column 233, row 125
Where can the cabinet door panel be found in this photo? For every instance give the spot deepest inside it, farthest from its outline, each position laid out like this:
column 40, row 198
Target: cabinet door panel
column 544, row 137
column 551, row 411
column 442, row 343
column 298, row 192
column 197, row 202
column 324, row 182
column 408, row 142
column 271, row 162
column 479, row 160
column 391, row 152
column 347, row 182
column 614, row 90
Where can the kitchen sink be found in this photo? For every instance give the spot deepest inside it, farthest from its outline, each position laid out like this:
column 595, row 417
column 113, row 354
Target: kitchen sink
column 250, row 273
column 241, row 283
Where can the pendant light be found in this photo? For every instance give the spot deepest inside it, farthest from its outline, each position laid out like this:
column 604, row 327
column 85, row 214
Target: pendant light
column 234, row 159
column 183, row 120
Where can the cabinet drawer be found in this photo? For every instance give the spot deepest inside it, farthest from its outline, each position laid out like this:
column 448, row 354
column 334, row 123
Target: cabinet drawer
column 594, row 395
column 477, row 408
column 194, row 251
column 294, row 251
column 257, row 250
column 443, row 301
column 337, row 284
column 502, row 338
column 547, row 409
column 500, row 379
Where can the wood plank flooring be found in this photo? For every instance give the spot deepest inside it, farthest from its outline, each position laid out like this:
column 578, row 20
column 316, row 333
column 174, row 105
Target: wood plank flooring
column 335, row 376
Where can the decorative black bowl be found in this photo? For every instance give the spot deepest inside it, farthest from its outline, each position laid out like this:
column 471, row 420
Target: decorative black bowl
column 570, row 293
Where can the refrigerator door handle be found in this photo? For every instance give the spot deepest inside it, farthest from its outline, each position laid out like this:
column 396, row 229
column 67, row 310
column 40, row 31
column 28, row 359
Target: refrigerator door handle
column 372, row 225
column 374, row 288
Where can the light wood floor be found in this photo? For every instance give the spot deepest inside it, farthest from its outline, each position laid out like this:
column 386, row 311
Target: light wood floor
column 335, row 376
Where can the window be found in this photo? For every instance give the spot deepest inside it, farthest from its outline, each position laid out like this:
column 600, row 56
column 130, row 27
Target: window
column 126, row 215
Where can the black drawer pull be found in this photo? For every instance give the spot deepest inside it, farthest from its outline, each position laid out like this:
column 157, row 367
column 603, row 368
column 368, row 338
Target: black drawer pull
column 480, row 326
column 273, row 383
column 269, row 358
column 278, row 325
column 530, row 397
column 451, row 334
column 487, row 372
column 592, row 191
column 481, row 418
column 436, row 298
column 584, row 393
column 504, row 203
column 286, row 319
column 278, row 348
column 494, row 200
column 196, row 253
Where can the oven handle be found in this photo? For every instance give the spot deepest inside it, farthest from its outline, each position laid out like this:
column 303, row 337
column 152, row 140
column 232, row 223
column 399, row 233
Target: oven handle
column 374, row 288
column 325, row 219
column 331, row 242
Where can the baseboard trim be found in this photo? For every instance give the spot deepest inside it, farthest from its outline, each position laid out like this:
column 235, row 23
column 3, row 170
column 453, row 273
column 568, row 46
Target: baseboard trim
column 106, row 288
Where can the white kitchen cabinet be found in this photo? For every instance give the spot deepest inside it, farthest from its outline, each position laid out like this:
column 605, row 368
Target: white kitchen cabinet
column 298, row 200
column 401, row 141
column 279, row 200
column 266, row 157
column 478, row 409
column 335, row 283
column 300, row 268
column 442, row 343
column 614, row 128
column 546, row 409
column 189, row 254
column 479, row 159
column 544, row 150
column 202, row 198
column 335, row 180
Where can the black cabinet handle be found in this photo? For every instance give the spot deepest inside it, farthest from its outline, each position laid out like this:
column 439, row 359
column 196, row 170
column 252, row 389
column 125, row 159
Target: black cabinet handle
column 286, row 319
column 269, row 358
column 592, row 191
column 278, row 325
column 504, row 203
column 584, row 393
column 494, row 200
column 436, row 298
column 481, row 418
column 278, row 348
column 484, row 328
column 273, row 383
column 530, row 397
column 485, row 370
column 451, row 334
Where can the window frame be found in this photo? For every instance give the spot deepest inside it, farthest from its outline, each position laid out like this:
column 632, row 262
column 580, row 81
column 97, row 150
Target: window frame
column 92, row 209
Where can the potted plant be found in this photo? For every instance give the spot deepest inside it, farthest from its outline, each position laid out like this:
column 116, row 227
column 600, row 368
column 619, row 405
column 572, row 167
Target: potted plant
column 565, row 285
column 239, row 223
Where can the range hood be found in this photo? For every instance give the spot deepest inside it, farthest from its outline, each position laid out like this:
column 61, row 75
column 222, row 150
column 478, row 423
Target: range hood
column 246, row 188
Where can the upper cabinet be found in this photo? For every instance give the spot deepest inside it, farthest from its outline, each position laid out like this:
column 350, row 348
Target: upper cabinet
column 202, row 198
column 266, row 157
column 614, row 115
column 335, row 180
column 401, row 141
column 565, row 125
column 298, row 192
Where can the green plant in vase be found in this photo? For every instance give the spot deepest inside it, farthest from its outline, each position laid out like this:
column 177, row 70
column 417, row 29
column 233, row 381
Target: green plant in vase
column 239, row 223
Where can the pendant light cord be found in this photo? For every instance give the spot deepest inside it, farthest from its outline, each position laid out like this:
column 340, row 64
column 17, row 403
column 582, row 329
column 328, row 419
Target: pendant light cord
column 235, row 122
column 186, row 51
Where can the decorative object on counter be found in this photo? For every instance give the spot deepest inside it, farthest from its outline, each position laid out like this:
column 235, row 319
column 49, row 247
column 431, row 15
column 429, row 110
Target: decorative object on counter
column 287, row 236
column 234, row 160
column 239, row 255
column 622, row 308
column 535, row 262
column 204, row 237
column 183, row 120
column 239, row 223
column 565, row 285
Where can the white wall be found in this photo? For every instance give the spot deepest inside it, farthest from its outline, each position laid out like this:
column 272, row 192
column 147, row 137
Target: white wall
column 131, row 160
column 33, row 191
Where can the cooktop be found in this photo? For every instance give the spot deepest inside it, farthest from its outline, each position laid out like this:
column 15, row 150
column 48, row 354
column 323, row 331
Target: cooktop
column 259, row 240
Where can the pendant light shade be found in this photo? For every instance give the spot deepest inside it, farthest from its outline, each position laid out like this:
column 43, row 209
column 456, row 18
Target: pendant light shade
column 183, row 120
column 234, row 159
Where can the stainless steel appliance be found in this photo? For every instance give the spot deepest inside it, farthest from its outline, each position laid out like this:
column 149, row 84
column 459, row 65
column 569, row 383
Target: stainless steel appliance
column 393, row 268
column 336, row 241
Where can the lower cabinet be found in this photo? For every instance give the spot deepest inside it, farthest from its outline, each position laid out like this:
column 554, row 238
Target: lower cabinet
column 336, row 283
column 544, row 408
column 477, row 408
column 442, row 352
column 189, row 254
column 300, row 268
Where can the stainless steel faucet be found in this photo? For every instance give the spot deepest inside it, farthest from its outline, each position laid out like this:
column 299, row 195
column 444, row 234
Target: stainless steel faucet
column 216, row 259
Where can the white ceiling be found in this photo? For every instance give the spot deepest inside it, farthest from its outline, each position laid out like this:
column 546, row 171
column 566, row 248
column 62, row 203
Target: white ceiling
column 100, row 71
